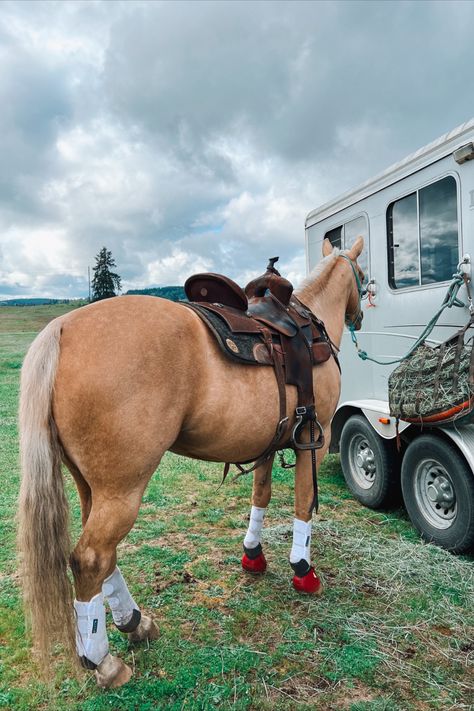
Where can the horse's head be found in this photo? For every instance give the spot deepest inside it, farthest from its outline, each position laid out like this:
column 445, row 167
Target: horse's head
column 354, row 314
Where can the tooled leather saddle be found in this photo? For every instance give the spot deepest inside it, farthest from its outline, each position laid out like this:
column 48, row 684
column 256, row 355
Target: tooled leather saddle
column 266, row 324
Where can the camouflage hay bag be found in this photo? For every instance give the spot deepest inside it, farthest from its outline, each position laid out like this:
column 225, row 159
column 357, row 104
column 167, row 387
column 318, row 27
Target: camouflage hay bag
column 435, row 385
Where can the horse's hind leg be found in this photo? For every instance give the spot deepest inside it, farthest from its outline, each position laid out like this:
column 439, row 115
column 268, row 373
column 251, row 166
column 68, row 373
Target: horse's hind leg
column 93, row 562
column 83, row 489
column 253, row 560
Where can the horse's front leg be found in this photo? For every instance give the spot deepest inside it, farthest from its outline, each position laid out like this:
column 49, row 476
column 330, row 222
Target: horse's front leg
column 253, row 560
column 305, row 579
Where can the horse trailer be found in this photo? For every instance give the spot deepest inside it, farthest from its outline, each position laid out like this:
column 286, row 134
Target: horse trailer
column 417, row 220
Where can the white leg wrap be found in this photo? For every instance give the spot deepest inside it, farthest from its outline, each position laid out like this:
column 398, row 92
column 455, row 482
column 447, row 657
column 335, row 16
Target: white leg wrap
column 301, row 541
column 91, row 634
column 254, row 532
column 117, row 595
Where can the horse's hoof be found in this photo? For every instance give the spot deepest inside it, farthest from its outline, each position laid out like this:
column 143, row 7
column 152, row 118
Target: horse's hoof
column 146, row 630
column 309, row 583
column 254, row 565
column 112, row 672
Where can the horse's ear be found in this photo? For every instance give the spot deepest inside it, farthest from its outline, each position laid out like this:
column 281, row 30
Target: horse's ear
column 327, row 248
column 356, row 248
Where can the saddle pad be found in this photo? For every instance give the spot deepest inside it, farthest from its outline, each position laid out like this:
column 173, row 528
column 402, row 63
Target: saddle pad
column 237, row 346
column 247, row 345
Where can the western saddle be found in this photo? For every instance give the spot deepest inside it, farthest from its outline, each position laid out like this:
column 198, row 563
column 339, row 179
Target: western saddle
column 266, row 324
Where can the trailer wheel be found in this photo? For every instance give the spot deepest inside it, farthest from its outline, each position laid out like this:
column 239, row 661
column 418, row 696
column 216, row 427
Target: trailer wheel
column 370, row 464
column 438, row 490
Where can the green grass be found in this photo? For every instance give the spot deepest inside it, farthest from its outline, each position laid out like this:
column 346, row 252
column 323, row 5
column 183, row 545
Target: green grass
column 393, row 630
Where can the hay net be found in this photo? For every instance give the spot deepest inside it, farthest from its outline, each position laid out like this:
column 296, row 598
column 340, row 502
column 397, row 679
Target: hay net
column 431, row 381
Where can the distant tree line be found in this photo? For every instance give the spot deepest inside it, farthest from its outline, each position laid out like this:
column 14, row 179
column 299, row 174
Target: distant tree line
column 41, row 302
column 173, row 293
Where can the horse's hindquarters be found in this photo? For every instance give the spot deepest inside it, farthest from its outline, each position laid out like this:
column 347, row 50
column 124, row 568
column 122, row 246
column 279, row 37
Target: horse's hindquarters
column 122, row 388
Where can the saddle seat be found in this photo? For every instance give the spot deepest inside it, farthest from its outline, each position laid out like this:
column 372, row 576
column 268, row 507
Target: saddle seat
column 245, row 321
column 265, row 298
column 215, row 289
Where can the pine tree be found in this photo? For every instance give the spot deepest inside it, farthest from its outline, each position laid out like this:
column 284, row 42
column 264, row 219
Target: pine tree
column 105, row 282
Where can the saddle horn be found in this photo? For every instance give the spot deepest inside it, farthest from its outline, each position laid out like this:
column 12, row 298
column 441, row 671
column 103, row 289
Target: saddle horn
column 272, row 280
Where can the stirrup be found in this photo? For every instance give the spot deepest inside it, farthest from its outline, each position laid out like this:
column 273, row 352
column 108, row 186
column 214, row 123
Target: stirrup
column 281, row 426
column 304, row 415
column 283, row 463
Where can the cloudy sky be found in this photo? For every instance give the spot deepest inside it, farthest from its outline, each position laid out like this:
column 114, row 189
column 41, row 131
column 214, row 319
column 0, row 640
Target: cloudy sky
column 196, row 136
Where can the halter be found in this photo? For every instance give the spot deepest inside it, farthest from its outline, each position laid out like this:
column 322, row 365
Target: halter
column 355, row 319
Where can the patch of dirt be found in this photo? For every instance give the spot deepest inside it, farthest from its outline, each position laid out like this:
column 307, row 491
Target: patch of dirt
column 301, row 688
column 328, row 574
column 175, row 541
column 360, row 693
column 369, row 589
column 184, row 577
column 408, row 652
column 442, row 629
column 212, row 603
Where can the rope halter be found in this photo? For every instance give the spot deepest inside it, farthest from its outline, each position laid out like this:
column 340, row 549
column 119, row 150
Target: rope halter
column 354, row 320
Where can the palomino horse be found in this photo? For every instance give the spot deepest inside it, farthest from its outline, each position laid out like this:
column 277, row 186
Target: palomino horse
column 109, row 388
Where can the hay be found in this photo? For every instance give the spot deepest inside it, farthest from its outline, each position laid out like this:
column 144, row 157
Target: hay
column 425, row 385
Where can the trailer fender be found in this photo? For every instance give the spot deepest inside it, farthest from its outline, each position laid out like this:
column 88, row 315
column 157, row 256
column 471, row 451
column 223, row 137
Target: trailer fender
column 463, row 438
column 377, row 413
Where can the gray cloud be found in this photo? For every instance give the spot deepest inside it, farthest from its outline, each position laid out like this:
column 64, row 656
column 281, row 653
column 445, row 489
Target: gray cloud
column 197, row 135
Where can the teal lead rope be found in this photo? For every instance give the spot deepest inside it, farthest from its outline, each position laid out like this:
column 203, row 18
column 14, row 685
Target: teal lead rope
column 451, row 299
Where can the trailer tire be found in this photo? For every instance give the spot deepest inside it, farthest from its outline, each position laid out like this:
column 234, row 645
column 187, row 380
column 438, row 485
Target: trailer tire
column 438, row 490
column 370, row 464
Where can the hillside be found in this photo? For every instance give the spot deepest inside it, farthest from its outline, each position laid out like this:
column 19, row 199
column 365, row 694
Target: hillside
column 173, row 293
column 40, row 302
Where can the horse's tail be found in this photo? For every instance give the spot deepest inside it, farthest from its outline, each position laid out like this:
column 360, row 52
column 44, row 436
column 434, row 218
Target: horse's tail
column 43, row 535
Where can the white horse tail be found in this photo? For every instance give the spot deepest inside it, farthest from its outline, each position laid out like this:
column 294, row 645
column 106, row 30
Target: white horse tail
column 43, row 535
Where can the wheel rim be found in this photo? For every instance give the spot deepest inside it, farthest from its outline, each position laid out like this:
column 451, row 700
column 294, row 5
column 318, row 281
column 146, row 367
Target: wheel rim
column 434, row 493
column 362, row 462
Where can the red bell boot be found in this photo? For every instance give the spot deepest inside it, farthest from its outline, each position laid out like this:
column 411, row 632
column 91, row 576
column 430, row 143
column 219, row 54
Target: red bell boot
column 309, row 583
column 253, row 560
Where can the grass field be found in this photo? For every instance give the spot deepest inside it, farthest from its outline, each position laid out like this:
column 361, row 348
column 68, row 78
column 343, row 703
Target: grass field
column 394, row 629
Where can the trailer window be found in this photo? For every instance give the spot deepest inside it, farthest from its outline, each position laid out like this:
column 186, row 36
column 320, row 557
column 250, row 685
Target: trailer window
column 422, row 230
column 335, row 237
column 344, row 237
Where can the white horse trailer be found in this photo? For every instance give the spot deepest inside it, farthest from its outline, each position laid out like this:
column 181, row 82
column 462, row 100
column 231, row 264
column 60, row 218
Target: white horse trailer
column 417, row 220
